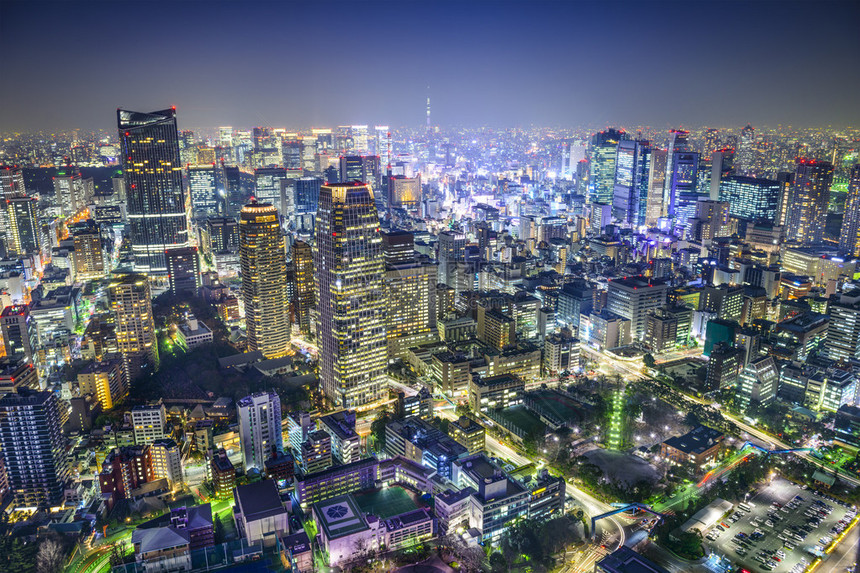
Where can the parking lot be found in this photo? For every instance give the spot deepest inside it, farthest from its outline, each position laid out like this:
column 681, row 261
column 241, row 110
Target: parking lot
column 786, row 527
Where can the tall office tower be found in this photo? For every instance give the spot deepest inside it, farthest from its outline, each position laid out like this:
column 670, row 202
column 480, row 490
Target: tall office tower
column 655, row 207
column 410, row 286
column 810, row 194
column 383, row 146
column 677, row 144
column 260, row 434
column 223, row 234
column 267, row 182
column 722, row 165
column 404, row 192
column 34, row 448
column 601, row 161
column 746, row 150
column 183, row 271
column 225, row 136
column 843, row 331
column 207, row 185
column 264, row 280
column 849, row 237
column 786, row 183
column 291, row 151
column 307, row 194
column 630, row 195
column 711, row 141
column 750, row 198
column 23, row 235
column 187, row 147
column 362, row 168
column 20, row 335
column 304, row 293
column 131, row 303
column 88, row 256
column 156, row 202
column 71, row 191
column 451, row 249
column 360, row 138
column 351, row 298
column 683, row 186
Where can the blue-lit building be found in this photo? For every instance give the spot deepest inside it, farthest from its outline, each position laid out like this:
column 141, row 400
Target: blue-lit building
column 751, row 198
column 630, row 193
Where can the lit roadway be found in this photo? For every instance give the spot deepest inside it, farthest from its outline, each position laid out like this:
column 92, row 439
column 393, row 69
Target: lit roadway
column 636, row 369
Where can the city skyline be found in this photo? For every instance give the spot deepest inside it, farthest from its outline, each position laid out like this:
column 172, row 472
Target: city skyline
column 494, row 64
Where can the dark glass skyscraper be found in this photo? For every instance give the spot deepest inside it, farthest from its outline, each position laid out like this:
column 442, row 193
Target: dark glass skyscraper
column 632, row 167
column 158, row 207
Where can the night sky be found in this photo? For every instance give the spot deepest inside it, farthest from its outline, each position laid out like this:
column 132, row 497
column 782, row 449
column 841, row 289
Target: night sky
column 70, row 65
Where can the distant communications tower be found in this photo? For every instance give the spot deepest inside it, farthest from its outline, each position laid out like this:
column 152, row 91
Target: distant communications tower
column 428, row 108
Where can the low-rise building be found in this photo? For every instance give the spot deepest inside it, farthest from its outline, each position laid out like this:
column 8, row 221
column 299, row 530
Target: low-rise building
column 469, row 433
column 495, row 392
column 193, row 333
column 698, row 447
column 259, row 513
column 337, row 480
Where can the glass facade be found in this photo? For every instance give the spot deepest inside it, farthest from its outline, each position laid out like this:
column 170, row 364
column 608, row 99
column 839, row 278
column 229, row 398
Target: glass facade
column 157, row 205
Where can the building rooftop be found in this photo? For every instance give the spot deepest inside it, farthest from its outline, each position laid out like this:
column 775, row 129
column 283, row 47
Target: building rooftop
column 695, row 441
column 339, row 517
column 159, row 538
column 259, row 500
column 625, row 560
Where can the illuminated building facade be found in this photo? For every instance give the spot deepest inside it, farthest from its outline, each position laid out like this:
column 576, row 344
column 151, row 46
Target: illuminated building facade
column 350, row 268
column 264, row 280
column 156, row 202
column 601, row 178
column 810, row 194
column 849, row 237
column 751, row 198
column 131, row 303
column 304, row 295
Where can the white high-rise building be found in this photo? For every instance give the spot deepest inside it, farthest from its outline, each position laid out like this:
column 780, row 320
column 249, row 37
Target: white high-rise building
column 259, row 428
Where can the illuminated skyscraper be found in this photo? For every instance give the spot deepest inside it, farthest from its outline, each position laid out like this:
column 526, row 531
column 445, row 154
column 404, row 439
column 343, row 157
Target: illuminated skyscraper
column 632, row 167
column 602, row 152
column 655, row 207
column 810, row 194
column 349, row 268
column 268, row 184
column 157, row 204
column 264, row 280
column 304, row 295
column 24, row 236
column 746, row 150
column 131, row 303
column 34, row 448
column 207, row 185
column 751, row 198
column 849, row 238
column 88, row 255
column 411, row 292
column 72, row 191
